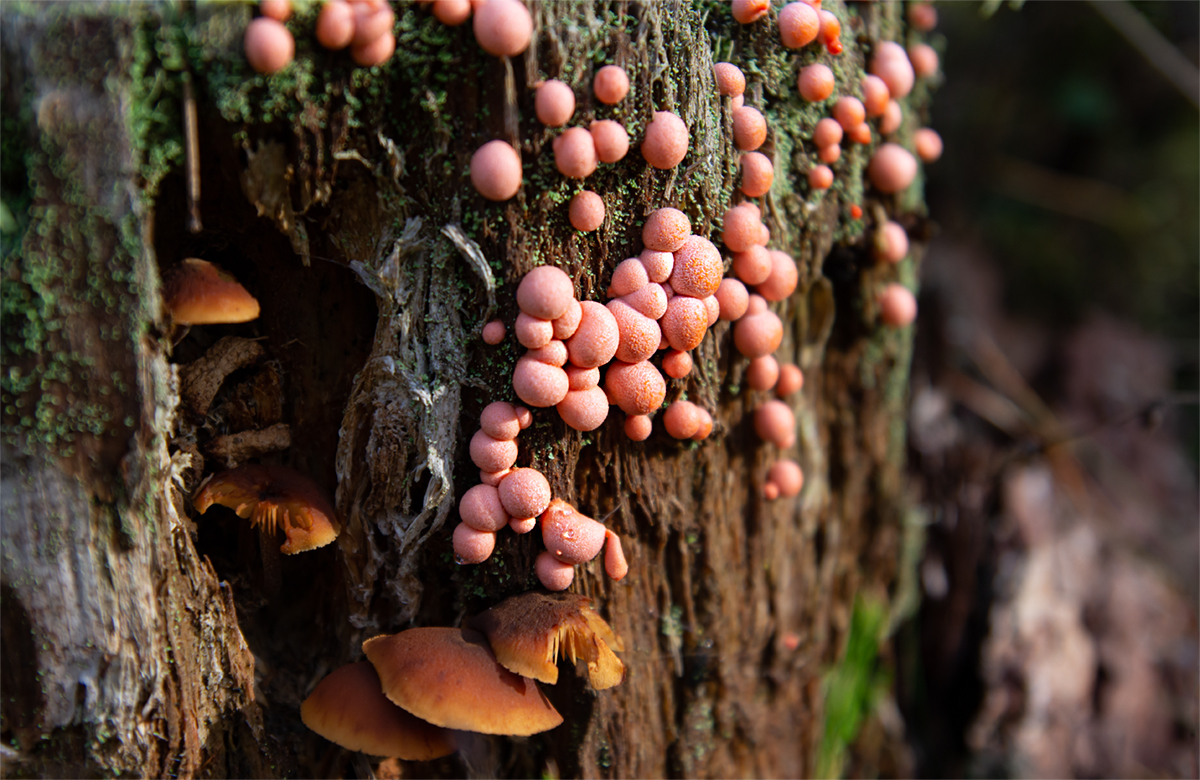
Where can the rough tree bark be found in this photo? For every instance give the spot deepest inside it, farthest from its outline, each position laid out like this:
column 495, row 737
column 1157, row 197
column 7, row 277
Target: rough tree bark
column 142, row 639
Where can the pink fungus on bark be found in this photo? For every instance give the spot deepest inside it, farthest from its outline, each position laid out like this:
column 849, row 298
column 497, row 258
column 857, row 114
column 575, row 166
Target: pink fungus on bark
column 596, row 339
column 774, row 422
column 682, row 419
column 638, row 427
column 268, row 44
column 554, row 103
column 666, row 230
column 611, row 140
column 496, row 170
column 553, row 574
column 658, row 264
column 584, row 410
column 752, row 266
column 611, row 85
column 758, row 334
column 533, row 332
column 763, row 372
column 685, row 322
column 614, row 557
column 586, row 211
column 471, row 546
column 892, row 168
column 799, row 24
column 697, row 268
column 637, row 388
column 677, row 364
column 492, row 454
column 730, row 79
column 545, row 292
column 493, row 332
column 666, row 141
column 525, row 493
column 639, row 335
column 733, row 298
column 575, row 153
column 503, row 28
column 539, row 384
column 757, row 174
column 480, row 508
column 749, row 129
column 629, row 276
column 747, row 11
column 783, row 278
column 565, row 325
column 499, row 420
column 791, row 380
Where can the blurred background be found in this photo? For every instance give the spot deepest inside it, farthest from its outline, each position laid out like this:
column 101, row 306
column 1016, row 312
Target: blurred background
column 1054, row 432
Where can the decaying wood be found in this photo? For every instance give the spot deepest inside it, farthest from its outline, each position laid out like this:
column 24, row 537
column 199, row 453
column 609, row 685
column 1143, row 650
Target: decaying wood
column 733, row 607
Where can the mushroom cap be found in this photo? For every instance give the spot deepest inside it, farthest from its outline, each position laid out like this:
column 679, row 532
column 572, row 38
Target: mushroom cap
column 274, row 497
column 666, row 141
column 503, row 28
column 496, row 170
column 200, row 293
column 596, row 339
column 449, row 677
column 527, row 632
column 554, row 103
column 348, row 708
column 611, row 84
column 575, row 153
column 697, row 268
column 611, row 140
column 545, row 292
column 269, row 45
column 730, row 79
column 525, row 493
column 586, row 211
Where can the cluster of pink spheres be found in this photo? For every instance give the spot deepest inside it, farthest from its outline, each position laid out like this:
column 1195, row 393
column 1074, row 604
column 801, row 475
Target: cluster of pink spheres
column 517, row 497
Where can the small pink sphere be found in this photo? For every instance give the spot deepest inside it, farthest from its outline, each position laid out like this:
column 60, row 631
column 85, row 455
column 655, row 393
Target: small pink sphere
column 830, row 154
column 659, row 264
column 525, row 493
column 799, row 24
column 859, row 134
column 492, row 454
column 891, row 64
column 922, row 16
column 733, row 298
column 493, row 478
column 372, row 20
column 666, row 141
column 685, row 322
column 749, row 129
column 815, row 82
column 752, row 266
column 279, row 10
column 499, row 420
column 757, row 174
column 697, row 269
column 452, row 13
column 614, row 557
column 596, row 339
column 747, row 11
column 666, row 230
column 849, row 112
column 575, row 153
column 584, row 410
column 554, row 103
column 677, row 364
column 493, row 332
column 269, row 46
column 638, row 427
column 763, row 372
column 756, row 304
column 924, row 60
column 637, row 388
column 545, row 292
column 706, row 426
column 610, row 139
column 569, row 535
column 539, row 384
column 820, row 177
column 496, row 170
column 650, row 301
column 892, row 168
column 740, row 228
column 611, row 85
column 335, row 25
column 682, row 419
column 892, row 242
column 875, row 95
column 897, row 306
column 774, row 422
column 533, row 332
column 553, row 354
column 640, row 335
column 565, row 325
column 553, row 574
column 713, row 308
column 628, row 277
column 770, row 491
column 523, row 525
column 582, row 378
column 586, row 211
column 786, row 474
column 893, row 115
column 524, row 417
column 480, row 508
column 503, row 28
column 758, row 334
column 791, row 379
column 730, row 79
column 736, row 102
column 783, row 279
column 471, row 546
column 928, row 144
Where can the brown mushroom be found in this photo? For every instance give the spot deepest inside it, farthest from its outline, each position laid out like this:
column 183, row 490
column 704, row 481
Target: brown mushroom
column 197, row 292
column 274, row 497
column 449, row 677
column 348, row 707
column 527, row 631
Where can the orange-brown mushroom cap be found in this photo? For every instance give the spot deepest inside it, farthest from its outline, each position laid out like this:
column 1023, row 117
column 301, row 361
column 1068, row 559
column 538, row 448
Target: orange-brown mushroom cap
column 449, row 677
column 348, row 707
column 527, row 631
column 274, row 497
column 199, row 293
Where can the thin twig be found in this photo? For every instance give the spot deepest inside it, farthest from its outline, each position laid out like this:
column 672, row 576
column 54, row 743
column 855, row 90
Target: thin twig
column 1152, row 45
column 191, row 137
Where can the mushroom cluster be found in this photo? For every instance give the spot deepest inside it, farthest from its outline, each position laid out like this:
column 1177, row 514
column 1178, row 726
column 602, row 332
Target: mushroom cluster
column 420, row 686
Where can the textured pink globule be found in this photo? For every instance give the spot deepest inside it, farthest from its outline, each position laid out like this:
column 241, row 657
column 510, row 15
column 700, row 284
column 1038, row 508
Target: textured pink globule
column 472, row 546
column 677, row 364
column 499, row 420
column 752, row 266
column 639, row 335
column 492, row 454
column 480, row 508
column 586, row 211
column 565, row 325
column 569, row 535
column 554, row 103
column 762, row 373
column 596, row 339
column 629, row 276
column 733, row 298
column 503, row 28
column 575, row 153
column 268, row 44
column 552, row 573
column 533, row 332
column 545, row 292
column 584, row 410
column 697, row 268
column 666, row 229
column 611, row 85
column 638, row 427
column 539, row 384
column 525, row 493
column 637, row 388
column 730, row 79
column 787, row 476
column 496, row 170
column 611, row 140
column 682, row 419
column 783, row 277
column 774, row 422
column 614, row 557
column 666, row 141
column 493, row 332
column 758, row 334
column 892, row 168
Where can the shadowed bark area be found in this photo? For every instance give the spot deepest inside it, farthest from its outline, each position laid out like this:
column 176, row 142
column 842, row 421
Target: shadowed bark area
column 173, row 643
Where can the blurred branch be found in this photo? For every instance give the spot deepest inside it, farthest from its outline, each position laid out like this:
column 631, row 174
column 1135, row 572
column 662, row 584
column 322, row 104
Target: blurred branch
column 1075, row 196
column 1152, row 45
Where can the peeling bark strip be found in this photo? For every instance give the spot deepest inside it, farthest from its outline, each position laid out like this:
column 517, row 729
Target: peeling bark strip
column 325, row 181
